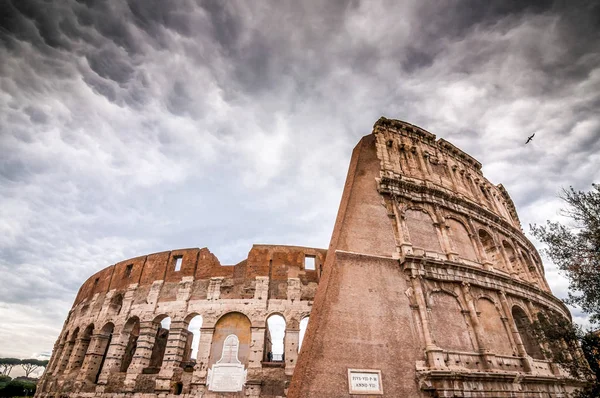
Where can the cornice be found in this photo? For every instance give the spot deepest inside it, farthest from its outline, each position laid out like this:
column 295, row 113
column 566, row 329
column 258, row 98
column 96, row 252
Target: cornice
column 412, row 131
column 399, row 187
column 431, row 268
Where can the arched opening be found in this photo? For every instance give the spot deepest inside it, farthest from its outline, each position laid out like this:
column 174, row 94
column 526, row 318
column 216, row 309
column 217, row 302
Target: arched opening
column 461, row 240
column 58, row 354
column 421, row 230
column 274, row 339
column 491, row 251
column 495, row 333
column 163, row 323
column 81, row 350
column 303, row 325
column 448, row 323
column 193, row 339
column 103, row 345
column 232, row 323
column 512, row 259
column 130, row 334
column 532, row 347
column 116, row 303
column 530, row 267
column 84, row 309
column 68, row 350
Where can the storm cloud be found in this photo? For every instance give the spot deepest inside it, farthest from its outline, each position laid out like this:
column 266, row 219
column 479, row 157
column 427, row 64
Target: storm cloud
column 138, row 126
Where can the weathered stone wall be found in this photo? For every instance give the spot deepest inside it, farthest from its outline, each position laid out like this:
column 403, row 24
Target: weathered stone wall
column 467, row 281
column 112, row 342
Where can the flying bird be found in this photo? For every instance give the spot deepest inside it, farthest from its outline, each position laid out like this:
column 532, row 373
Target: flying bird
column 529, row 138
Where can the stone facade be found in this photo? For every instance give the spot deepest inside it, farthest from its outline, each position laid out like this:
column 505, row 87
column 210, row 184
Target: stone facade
column 112, row 343
column 428, row 280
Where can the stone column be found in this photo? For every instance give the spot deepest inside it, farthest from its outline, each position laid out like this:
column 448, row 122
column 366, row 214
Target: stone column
column 476, row 192
column 504, row 255
column 66, row 356
column 446, row 245
column 439, row 230
column 427, row 163
column 94, row 356
column 435, row 356
column 78, row 355
column 173, row 355
column 488, row 359
column 421, row 161
column 201, row 369
column 452, row 252
column 214, row 288
column 257, row 344
column 294, row 289
column 114, row 356
column 290, row 347
column 56, row 356
column 143, row 352
column 404, row 243
column 527, row 365
column 261, row 291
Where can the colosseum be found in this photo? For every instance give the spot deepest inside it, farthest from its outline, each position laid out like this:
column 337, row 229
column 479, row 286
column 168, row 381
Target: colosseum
column 427, row 290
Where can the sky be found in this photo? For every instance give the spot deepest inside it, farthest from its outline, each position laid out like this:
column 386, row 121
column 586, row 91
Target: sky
column 131, row 127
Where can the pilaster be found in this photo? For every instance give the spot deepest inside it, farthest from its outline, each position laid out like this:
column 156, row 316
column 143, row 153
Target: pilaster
column 143, row 352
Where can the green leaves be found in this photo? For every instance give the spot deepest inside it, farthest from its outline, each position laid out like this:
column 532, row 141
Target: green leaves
column 575, row 248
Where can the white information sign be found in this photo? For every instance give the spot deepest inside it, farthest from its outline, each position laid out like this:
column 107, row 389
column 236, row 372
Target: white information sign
column 365, row 381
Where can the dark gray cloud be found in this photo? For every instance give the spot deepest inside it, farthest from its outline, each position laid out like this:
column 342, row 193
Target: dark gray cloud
column 133, row 127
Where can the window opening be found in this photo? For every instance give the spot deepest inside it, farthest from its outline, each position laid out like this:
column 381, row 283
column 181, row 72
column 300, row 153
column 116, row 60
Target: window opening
column 309, row 263
column 128, row 270
column 194, row 330
column 178, row 261
column 303, row 325
column 274, row 339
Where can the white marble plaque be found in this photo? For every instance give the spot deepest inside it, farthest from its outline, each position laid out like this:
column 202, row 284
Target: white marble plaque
column 364, row 381
column 226, row 377
column 228, row 374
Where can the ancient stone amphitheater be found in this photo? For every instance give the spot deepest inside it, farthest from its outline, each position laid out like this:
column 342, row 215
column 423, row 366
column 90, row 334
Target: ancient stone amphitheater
column 427, row 290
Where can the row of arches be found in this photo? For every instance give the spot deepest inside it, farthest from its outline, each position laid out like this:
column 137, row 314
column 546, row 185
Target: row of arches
column 481, row 246
column 453, row 329
column 92, row 352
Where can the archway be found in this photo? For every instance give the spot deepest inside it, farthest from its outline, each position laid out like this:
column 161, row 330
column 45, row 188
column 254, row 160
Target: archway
column 103, row 345
column 448, row 324
column 421, row 230
column 82, row 349
column 163, row 324
column 274, row 339
column 461, row 239
column 532, row 347
column 491, row 251
column 130, row 334
column 234, row 323
column 193, row 338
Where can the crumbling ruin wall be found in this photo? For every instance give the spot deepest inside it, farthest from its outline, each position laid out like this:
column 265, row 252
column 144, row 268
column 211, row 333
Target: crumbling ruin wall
column 113, row 343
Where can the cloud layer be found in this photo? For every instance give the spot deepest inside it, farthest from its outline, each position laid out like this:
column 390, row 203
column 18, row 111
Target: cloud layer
column 138, row 126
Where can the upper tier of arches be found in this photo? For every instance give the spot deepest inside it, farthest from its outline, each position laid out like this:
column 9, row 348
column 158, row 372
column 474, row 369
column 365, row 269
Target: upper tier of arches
column 413, row 154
